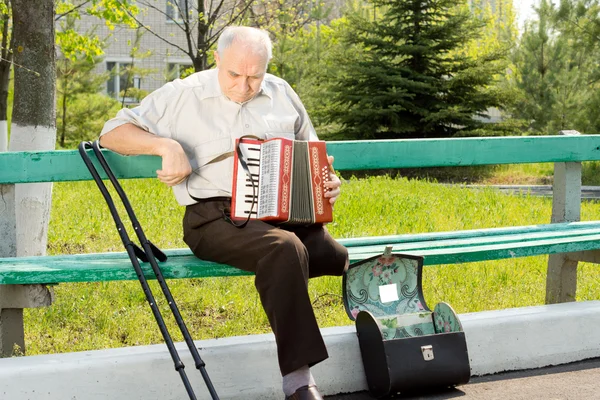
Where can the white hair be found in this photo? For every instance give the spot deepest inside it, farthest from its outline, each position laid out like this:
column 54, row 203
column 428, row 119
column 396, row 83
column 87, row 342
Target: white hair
column 258, row 39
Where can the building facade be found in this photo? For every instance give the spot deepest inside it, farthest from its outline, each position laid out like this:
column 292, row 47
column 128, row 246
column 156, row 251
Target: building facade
column 138, row 58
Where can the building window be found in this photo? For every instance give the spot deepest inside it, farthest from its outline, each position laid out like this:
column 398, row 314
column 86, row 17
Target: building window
column 178, row 70
column 175, row 10
column 121, row 79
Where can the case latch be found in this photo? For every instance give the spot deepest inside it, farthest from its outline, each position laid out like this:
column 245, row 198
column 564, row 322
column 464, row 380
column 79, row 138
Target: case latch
column 427, row 352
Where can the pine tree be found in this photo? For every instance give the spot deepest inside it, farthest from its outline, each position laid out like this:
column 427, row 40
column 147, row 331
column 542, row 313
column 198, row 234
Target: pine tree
column 553, row 75
column 405, row 71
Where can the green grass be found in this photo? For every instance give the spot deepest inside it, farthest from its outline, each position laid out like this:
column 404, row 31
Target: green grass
column 114, row 314
column 509, row 174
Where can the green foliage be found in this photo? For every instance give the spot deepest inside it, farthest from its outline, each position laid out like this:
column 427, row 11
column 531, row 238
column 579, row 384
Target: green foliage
column 540, row 64
column 132, row 71
column 554, row 77
column 288, row 22
column 86, row 116
column 76, row 79
column 114, row 12
column 74, row 44
column 178, row 71
column 305, row 65
column 101, row 315
column 403, row 71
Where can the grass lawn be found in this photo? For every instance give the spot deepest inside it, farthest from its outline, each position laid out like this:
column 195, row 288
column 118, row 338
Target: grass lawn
column 114, row 314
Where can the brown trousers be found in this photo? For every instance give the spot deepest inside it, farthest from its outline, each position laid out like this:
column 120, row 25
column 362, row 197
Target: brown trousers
column 283, row 259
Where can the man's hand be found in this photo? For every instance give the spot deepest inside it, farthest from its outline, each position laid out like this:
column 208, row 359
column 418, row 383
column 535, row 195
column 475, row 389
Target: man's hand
column 129, row 139
column 175, row 164
column 333, row 185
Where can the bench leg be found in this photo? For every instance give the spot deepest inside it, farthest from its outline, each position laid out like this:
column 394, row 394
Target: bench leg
column 11, row 332
column 561, row 280
column 13, row 299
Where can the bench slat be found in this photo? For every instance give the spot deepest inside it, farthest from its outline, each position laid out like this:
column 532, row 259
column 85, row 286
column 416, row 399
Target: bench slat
column 438, row 248
column 455, row 255
column 105, row 267
column 490, row 233
column 66, row 165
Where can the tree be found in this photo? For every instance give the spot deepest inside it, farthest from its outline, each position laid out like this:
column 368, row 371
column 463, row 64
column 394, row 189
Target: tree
column 5, row 67
column 75, row 70
column 305, row 65
column 111, row 11
column 200, row 22
column 33, row 117
column 579, row 20
column 26, row 211
column 287, row 21
column 404, row 71
column 552, row 75
column 132, row 72
column 26, row 207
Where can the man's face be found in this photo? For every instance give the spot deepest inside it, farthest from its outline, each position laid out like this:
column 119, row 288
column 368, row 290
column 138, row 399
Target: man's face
column 241, row 71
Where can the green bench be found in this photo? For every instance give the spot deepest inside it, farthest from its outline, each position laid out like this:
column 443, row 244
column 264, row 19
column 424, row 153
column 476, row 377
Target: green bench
column 565, row 239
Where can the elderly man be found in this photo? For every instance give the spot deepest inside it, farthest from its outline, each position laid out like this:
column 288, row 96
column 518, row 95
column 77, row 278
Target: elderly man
column 192, row 124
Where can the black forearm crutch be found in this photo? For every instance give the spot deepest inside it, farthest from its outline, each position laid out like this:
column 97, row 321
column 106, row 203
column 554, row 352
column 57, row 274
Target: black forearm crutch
column 149, row 253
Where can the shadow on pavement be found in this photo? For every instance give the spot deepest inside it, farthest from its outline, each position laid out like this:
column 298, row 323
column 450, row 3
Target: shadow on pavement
column 574, row 381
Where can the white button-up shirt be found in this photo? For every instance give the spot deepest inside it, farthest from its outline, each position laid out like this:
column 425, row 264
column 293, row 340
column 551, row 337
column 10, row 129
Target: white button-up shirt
column 195, row 112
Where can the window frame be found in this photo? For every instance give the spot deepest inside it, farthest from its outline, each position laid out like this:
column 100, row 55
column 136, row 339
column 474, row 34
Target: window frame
column 114, row 82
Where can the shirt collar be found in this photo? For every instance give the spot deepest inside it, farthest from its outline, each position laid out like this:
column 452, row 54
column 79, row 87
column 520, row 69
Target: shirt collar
column 212, row 87
column 265, row 88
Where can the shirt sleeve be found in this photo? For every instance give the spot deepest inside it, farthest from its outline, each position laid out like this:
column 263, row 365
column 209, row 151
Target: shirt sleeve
column 304, row 129
column 152, row 115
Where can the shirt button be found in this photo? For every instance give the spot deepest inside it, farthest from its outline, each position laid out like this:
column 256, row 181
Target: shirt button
column 247, row 126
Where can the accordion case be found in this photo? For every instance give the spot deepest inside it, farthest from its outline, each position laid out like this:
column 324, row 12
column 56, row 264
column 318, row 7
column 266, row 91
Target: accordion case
column 280, row 180
column 405, row 347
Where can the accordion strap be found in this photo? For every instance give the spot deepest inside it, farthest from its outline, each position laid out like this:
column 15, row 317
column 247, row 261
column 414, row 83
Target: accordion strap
column 252, row 181
column 245, row 167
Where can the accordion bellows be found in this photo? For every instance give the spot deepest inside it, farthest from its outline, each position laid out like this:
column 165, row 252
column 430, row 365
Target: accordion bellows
column 283, row 182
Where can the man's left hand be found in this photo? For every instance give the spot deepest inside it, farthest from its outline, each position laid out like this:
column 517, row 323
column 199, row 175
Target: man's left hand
column 333, row 185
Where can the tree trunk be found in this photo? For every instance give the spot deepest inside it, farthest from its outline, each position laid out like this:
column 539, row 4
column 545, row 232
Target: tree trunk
column 5, row 64
column 34, row 115
column 33, row 128
column 63, row 122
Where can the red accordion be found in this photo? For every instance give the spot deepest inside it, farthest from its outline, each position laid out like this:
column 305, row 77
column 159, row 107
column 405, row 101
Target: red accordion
column 280, row 180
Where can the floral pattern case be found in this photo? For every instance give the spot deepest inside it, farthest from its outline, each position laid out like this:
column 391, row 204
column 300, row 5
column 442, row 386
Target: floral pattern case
column 389, row 287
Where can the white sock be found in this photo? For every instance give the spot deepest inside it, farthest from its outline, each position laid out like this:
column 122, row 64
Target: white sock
column 296, row 379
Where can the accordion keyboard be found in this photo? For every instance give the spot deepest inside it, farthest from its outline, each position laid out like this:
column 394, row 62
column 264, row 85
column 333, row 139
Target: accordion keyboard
column 243, row 182
column 263, row 164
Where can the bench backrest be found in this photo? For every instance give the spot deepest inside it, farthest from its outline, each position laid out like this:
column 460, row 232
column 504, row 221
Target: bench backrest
column 66, row 165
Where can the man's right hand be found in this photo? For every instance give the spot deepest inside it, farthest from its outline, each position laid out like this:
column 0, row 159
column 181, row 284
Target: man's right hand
column 175, row 164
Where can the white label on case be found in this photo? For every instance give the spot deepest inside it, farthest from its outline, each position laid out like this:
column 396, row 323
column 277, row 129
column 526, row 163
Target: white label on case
column 388, row 293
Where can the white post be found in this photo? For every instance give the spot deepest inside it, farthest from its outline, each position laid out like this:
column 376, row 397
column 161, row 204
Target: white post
column 3, row 136
column 8, row 248
column 33, row 127
column 25, row 220
column 32, row 200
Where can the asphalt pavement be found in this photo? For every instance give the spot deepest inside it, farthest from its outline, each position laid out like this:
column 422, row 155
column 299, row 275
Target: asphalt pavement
column 587, row 192
column 575, row 381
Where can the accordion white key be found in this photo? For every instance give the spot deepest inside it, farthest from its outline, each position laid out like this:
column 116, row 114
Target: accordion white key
column 283, row 181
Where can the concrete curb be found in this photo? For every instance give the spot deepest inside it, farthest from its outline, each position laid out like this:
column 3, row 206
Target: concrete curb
column 245, row 367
